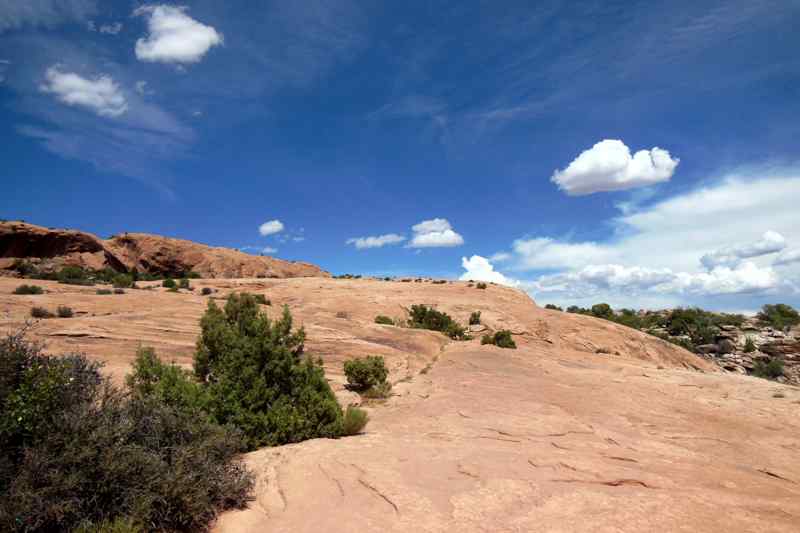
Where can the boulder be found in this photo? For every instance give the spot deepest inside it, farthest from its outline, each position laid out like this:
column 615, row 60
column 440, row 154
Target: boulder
column 726, row 346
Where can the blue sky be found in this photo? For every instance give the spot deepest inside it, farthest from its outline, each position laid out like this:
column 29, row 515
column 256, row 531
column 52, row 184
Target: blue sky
column 583, row 151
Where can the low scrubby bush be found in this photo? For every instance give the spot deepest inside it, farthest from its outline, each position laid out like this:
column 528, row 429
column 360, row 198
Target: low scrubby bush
column 64, row 312
column 169, row 283
column 183, row 283
column 424, row 317
column 41, row 312
column 29, row 289
column 355, row 419
column 122, row 281
column 749, row 345
column 475, row 318
column 74, row 275
column 501, row 339
column 261, row 299
column 104, row 292
column 481, row 285
column 78, row 454
column 119, row 291
column 382, row 319
column 365, row 373
column 206, row 291
column 772, row 369
column 778, row 316
column 553, row 307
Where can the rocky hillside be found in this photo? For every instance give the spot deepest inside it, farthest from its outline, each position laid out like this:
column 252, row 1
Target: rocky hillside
column 741, row 348
column 49, row 249
column 586, row 426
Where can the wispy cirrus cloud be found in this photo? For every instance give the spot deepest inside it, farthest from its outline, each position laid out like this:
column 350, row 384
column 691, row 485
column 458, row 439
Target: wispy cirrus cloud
column 15, row 14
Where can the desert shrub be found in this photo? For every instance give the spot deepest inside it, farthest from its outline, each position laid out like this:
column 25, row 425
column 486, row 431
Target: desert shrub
column 354, row 420
column 24, row 268
column 553, row 307
column 169, row 283
column 193, row 275
column 64, row 312
column 381, row 319
column 78, row 454
column 169, row 383
column 367, row 372
column 206, row 291
column 771, row 369
column 257, row 378
column 439, row 281
column 104, row 292
column 28, row 289
column 74, row 275
column 749, row 345
column 183, row 283
column 778, row 316
column 602, row 311
column 119, row 291
column 41, row 312
column 261, row 299
column 424, row 317
column 501, row 339
column 699, row 325
column 475, row 318
column 480, row 285
column 122, row 281
column 378, row 392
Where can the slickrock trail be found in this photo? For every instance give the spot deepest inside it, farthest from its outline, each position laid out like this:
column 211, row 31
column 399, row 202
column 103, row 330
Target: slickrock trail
column 587, row 426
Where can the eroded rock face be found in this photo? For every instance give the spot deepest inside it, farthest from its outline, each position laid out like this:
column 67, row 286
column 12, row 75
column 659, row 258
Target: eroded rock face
column 50, row 249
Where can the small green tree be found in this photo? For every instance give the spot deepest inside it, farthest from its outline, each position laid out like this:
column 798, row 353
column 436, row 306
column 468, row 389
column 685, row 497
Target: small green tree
column 603, row 311
column 122, row 281
column 169, row 283
column 184, row 283
column 365, row 373
column 381, row 319
column 553, row 307
column 778, row 316
column 258, row 379
column 475, row 318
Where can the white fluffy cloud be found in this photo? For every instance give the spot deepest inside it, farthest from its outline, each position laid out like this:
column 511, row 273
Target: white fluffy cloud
column 380, row 241
column 270, row 228
column 654, row 251
column 769, row 243
column 595, row 279
column 609, row 166
column 102, row 95
column 481, row 269
column 435, row 233
column 788, row 257
column 174, row 36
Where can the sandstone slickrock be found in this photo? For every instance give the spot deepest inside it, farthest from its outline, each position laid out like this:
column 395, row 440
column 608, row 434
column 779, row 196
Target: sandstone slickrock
column 587, row 426
column 52, row 248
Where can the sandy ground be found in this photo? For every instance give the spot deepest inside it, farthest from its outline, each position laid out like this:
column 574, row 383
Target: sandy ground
column 587, row 426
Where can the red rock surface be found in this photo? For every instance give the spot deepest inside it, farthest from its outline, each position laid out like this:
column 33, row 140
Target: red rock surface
column 53, row 248
column 587, row 427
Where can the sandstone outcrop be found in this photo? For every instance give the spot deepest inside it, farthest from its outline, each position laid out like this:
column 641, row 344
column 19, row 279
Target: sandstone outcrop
column 49, row 249
column 587, row 426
